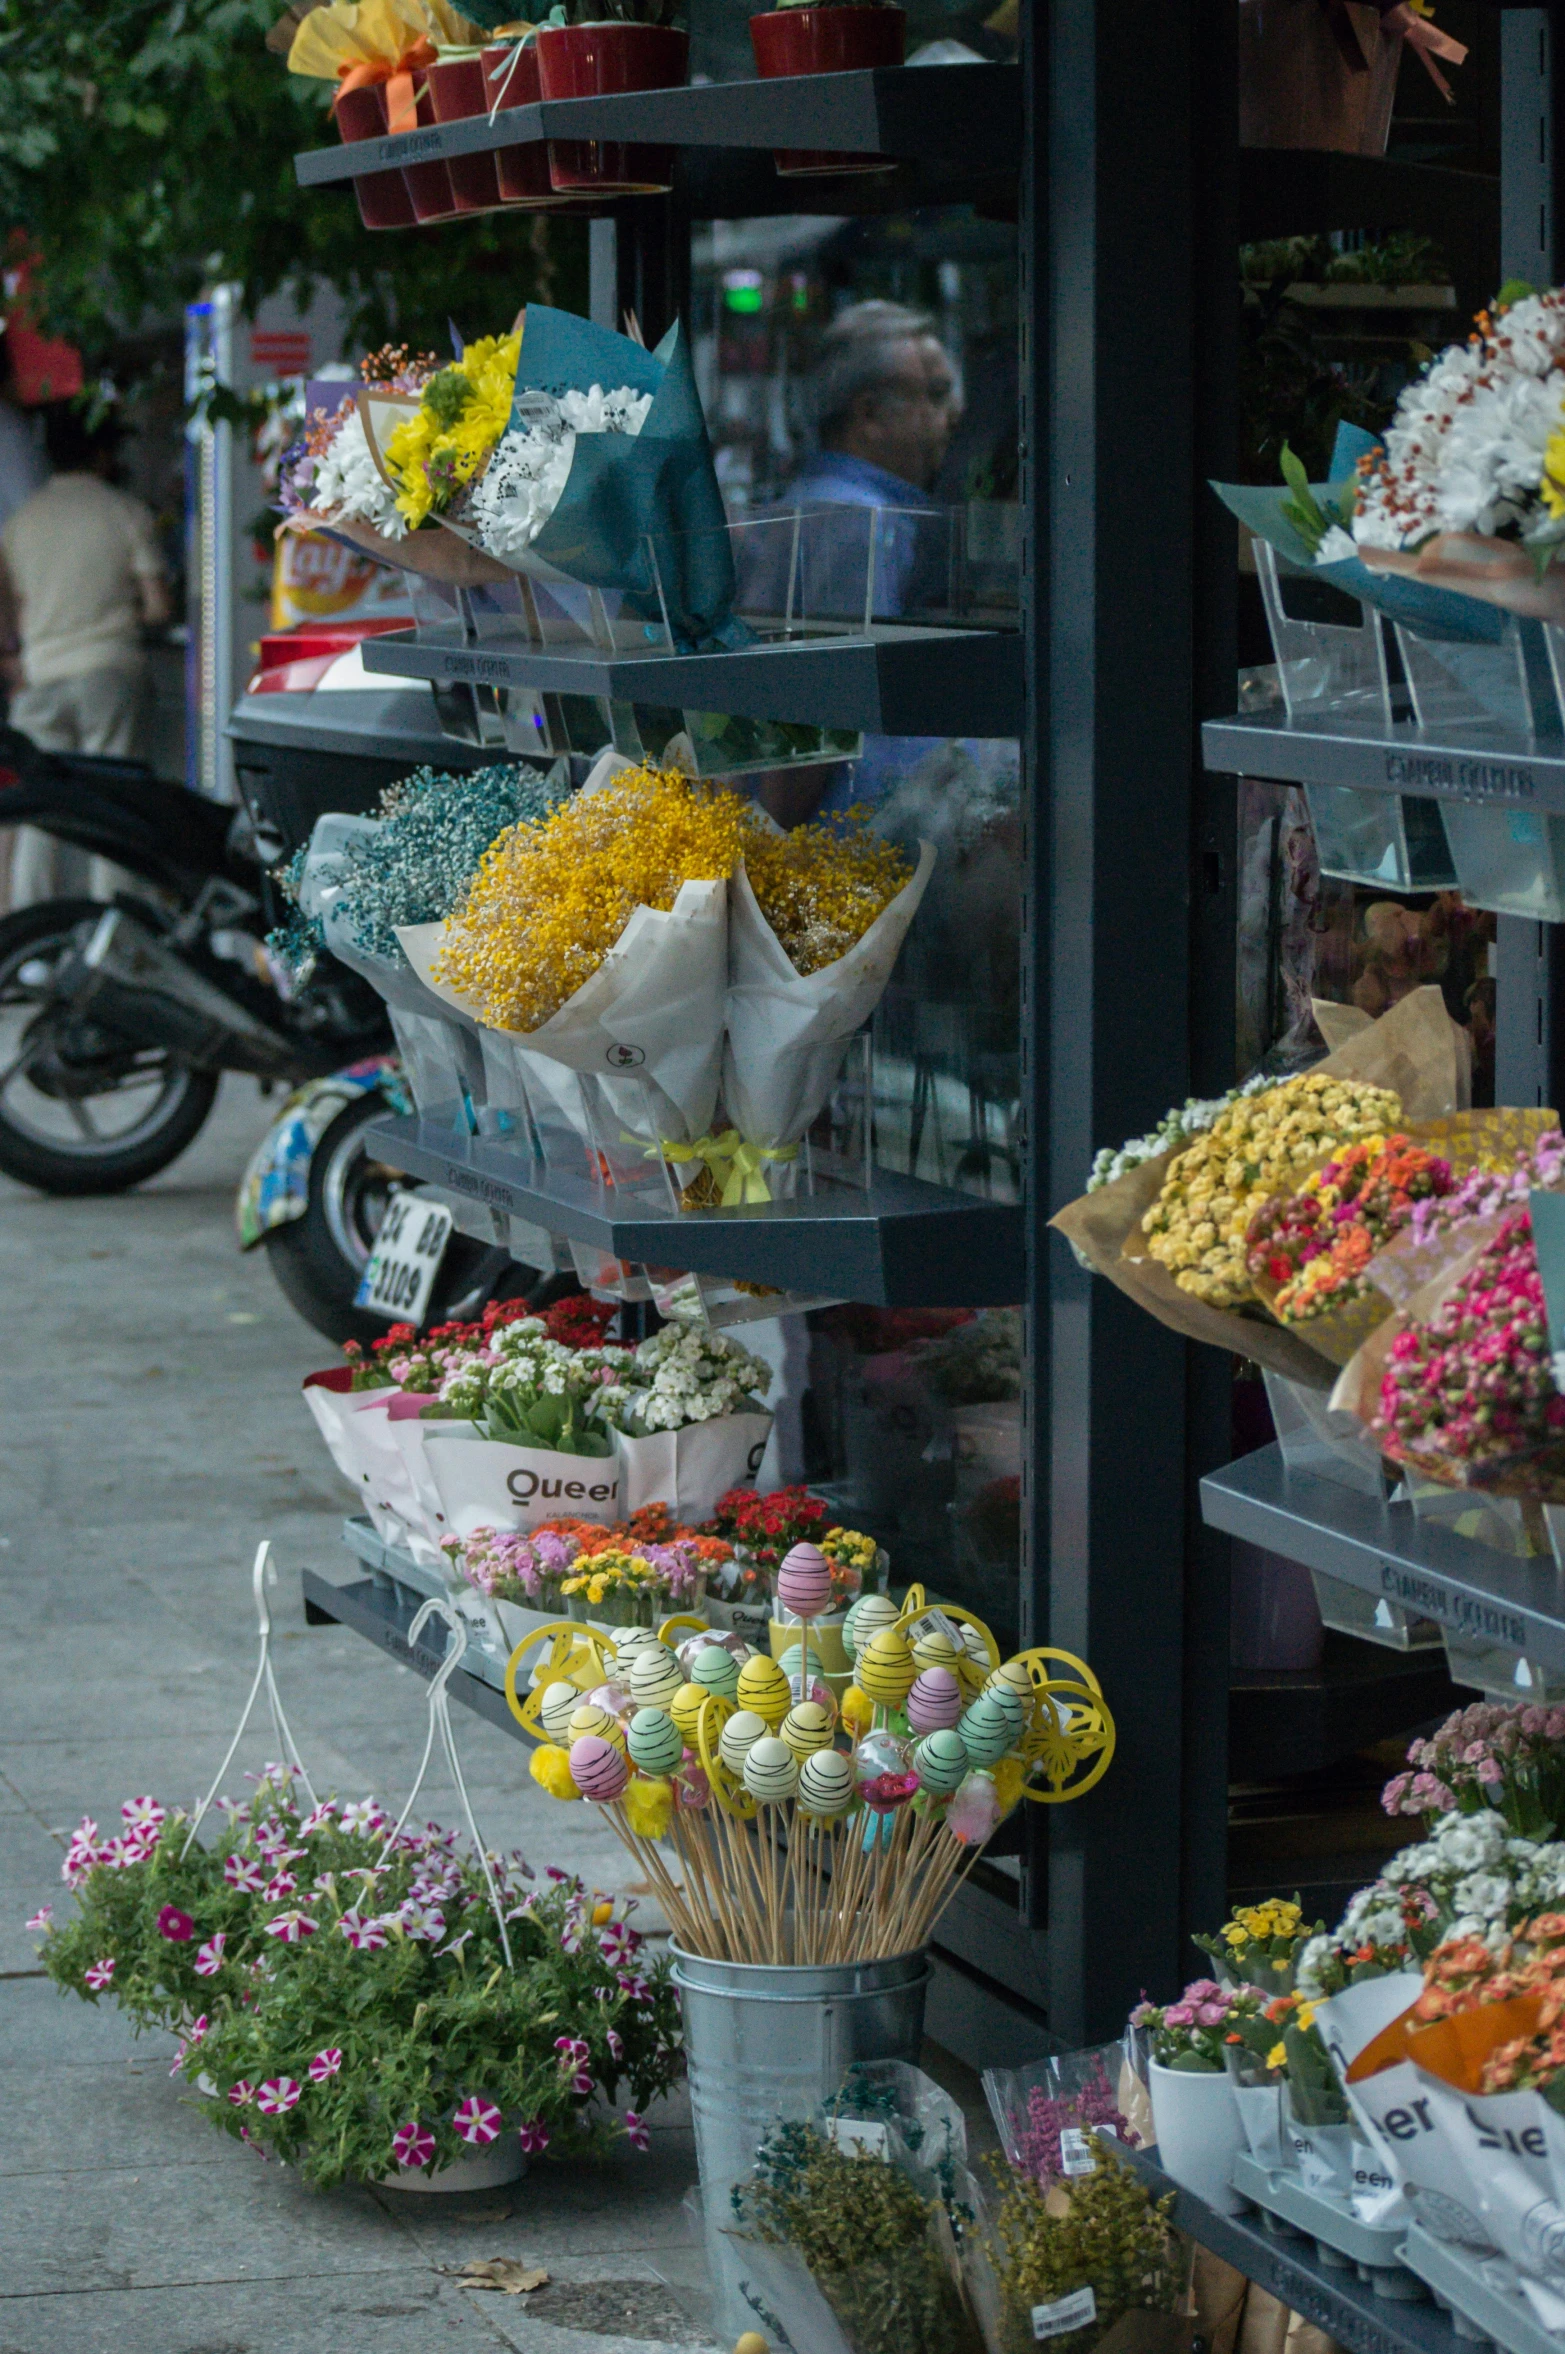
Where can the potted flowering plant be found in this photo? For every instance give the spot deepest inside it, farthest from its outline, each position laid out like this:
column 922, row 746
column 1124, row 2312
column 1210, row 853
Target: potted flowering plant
column 545, row 1410
column 1194, row 2113
column 350, row 2007
column 592, row 48
column 520, row 1580
column 1259, row 1944
column 844, row 37
column 635, row 1584
column 510, row 68
column 1488, row 1756
column 687, row 1407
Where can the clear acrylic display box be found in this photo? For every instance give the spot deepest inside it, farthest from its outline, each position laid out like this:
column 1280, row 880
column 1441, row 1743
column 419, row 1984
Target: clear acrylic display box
column 725, row 744
column 1323, row 665
column 1506, row 1524
column 1394, row 839
column 1502, row 1674
column 1510, row 860
column 1371, row 1617
column 443, row 1064
column 1478, row 688
column 1320, row 1443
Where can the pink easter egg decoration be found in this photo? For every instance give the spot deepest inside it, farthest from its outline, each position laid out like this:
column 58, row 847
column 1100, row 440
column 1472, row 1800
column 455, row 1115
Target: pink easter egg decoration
column 804, row 1581
column 597, row 1769
column 935, row 1703
column 612, row 1697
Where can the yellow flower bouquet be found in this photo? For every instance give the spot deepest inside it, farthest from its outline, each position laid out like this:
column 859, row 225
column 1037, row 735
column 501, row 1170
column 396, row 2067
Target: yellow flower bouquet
column 817, row 919
column 596, row 943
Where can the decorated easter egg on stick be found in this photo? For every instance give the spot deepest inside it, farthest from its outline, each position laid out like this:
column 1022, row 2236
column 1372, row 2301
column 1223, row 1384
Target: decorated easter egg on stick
column 716, row 1670
column 655, row 1677
column 1015, row 1704
column 589, row 1722
column 935, row 1648
column 974, row 1811
column 942, row 1762
column 627, row 1642
column 804, row 1581
column 763, row 1688
column 771, row 1772
column 935, row 1702
column 597, row 1769
column 826, row 1784
column 883, row 1668
column 986, row 1730
column 654, row 1742
column 866, row 1617
column 686, row 1707
column 555, row 1710
column 739, row 1737
column 807, row 1727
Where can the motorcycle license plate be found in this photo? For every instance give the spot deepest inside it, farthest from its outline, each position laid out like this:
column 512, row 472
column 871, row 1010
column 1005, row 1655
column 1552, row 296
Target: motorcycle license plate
column 405, row 1260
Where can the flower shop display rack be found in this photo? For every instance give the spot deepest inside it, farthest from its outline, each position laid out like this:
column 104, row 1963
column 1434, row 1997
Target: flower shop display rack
column 1114, row 137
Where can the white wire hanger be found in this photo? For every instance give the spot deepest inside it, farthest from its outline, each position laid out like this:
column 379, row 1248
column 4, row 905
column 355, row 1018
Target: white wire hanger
column 263, row 1575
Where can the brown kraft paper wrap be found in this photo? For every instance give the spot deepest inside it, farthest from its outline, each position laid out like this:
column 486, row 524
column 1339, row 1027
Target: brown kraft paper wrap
column 1415, row 1049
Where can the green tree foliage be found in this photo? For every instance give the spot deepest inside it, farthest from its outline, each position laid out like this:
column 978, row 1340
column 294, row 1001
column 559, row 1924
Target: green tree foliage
column 146, row 146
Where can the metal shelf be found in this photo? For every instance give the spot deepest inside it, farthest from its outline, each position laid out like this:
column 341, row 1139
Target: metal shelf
column 895, row 681
column 1345, row 2307
column 967, row 117
column 902, row 1243
column 1515, row 771
column 1477, row 1595
column 370, row 1607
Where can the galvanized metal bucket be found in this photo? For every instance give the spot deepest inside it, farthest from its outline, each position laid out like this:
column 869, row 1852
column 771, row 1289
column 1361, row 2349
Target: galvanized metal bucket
column 768, row 2045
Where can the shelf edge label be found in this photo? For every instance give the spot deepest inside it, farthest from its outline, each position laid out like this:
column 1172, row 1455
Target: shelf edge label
column 1466, row 1615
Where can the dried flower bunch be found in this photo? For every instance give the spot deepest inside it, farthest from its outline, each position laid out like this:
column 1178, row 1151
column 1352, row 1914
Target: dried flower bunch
column 1198, row 1226
column 1473, row 1385
column 434, row 454
column 551, row 897
column 1315, row 1244
column 1039, row 2149
column 821, row 886
column 1110, row 2239
column 434, row 829
column 868, row 2233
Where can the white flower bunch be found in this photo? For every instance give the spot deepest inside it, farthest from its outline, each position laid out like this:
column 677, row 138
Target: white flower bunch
column 350, row 487
column 1466, row 449
column 1191, row 1118
column 683, row 1374
column 521, row 485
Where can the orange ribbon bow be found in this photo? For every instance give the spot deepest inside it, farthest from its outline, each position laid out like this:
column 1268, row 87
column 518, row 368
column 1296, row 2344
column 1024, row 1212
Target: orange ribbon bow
column 401, row 95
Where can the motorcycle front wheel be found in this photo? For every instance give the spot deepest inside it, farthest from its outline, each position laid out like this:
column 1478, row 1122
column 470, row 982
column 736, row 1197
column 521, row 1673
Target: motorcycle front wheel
column 319, row 1259
column 82, row 1110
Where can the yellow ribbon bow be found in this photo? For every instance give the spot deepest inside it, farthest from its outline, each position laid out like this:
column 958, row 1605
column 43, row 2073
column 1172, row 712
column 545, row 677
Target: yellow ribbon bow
column 738, row 1168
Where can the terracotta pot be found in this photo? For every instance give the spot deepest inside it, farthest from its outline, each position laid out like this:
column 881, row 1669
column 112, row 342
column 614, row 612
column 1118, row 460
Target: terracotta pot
column 593, row 61
column 523, row 172
column 826, row 41
column 384, row 202
column 456, row 91
column 1313, row 77
column 429, row 184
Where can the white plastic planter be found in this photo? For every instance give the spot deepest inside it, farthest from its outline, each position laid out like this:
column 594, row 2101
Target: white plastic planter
column 1199, row 2133
column 488, row 1484
column 689, row 1469
column 504, row 2161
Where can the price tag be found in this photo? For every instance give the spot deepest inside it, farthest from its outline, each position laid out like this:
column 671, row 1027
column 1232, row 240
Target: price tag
column 1075, row 2156
column 859, row 2133
column 1064, row 2315
column 405, row 1260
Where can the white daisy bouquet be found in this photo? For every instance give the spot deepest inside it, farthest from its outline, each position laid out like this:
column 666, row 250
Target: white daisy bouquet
column 1461, row 505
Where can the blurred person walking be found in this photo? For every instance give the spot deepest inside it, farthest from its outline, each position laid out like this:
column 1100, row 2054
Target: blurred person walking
column 81, row 576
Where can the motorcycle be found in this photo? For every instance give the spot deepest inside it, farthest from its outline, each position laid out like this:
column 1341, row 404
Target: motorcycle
column 118, row 1017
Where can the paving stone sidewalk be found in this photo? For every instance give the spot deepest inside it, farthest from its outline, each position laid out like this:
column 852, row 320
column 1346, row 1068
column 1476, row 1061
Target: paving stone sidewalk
column 153, row 1433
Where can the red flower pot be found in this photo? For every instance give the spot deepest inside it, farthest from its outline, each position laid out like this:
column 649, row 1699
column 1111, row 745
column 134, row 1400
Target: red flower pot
column 456, row 91
column 593, row 61
column 429, row 184
column 384, row 202
column 826, row 41
column 523, row 172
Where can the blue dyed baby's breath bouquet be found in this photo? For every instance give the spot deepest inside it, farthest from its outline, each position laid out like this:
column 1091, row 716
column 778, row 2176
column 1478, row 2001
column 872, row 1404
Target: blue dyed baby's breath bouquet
column 415, row 865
